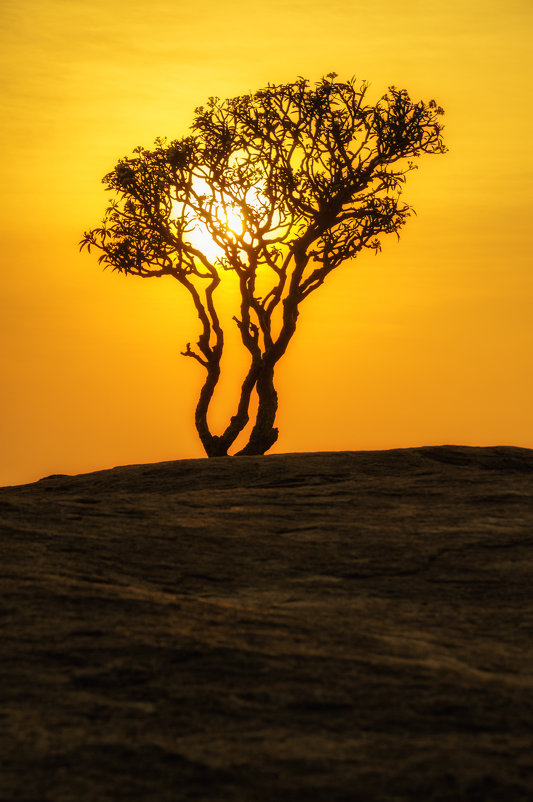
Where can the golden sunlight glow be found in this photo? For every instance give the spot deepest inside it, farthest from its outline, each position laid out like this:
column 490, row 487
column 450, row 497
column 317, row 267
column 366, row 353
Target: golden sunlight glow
column 224, row 215
column 201, row 239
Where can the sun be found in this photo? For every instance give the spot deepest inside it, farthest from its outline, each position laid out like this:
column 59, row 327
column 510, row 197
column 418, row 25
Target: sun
column 225, row 216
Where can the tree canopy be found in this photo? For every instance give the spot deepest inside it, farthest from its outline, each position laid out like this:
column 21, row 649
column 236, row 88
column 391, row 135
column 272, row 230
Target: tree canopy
column 285, row 185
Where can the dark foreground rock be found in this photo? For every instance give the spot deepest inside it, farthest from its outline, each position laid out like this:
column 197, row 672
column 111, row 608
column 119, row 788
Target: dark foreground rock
column 349, row 626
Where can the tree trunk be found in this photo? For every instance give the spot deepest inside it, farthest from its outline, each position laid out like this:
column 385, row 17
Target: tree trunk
column 213, row 445
column 241, row 418
column 264, row 434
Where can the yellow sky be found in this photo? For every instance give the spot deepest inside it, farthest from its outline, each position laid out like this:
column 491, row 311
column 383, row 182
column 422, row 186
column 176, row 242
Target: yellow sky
column 430, row 342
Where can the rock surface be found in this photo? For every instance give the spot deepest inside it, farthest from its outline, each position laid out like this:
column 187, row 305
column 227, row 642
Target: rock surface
column 338, row 626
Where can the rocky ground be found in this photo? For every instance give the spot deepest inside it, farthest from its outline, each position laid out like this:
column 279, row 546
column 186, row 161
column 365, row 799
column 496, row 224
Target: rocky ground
column 329, row 627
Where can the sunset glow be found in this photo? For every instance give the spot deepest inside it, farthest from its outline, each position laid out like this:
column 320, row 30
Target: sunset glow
column 429, row 342
column 224, row 213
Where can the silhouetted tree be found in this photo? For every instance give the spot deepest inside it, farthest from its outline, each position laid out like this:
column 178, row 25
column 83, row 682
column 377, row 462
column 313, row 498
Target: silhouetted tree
column 288, row 183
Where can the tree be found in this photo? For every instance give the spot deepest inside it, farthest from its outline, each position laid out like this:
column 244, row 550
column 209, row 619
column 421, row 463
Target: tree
column 288, row 183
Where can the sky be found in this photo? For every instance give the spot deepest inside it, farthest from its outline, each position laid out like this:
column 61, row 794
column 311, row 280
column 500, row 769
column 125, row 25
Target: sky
column 430, row 342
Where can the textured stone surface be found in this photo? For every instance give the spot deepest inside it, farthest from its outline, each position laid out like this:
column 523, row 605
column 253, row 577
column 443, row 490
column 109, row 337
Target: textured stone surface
column 347, row 626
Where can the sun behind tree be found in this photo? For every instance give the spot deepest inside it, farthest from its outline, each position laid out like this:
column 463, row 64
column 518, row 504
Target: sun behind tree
column 280, row 187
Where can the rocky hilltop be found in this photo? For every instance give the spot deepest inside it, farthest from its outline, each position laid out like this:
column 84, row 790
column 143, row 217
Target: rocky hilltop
column 327, row 627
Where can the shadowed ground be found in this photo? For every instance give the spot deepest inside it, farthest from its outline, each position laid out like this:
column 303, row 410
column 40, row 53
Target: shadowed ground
column 339, row 626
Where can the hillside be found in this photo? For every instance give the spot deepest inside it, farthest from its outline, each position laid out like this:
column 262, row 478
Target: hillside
column 327, row 627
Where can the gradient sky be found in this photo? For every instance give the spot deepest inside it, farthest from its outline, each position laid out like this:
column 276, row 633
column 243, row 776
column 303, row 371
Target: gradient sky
column 430, row 342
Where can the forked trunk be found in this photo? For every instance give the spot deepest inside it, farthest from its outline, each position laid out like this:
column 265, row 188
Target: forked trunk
column 264, row 434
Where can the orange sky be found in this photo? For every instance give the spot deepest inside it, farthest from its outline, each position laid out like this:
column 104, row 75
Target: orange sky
column 430, row 342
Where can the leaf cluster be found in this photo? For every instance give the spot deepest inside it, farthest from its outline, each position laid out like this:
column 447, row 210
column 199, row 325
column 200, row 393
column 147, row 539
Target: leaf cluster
column 297, row 163
column 313, row 172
